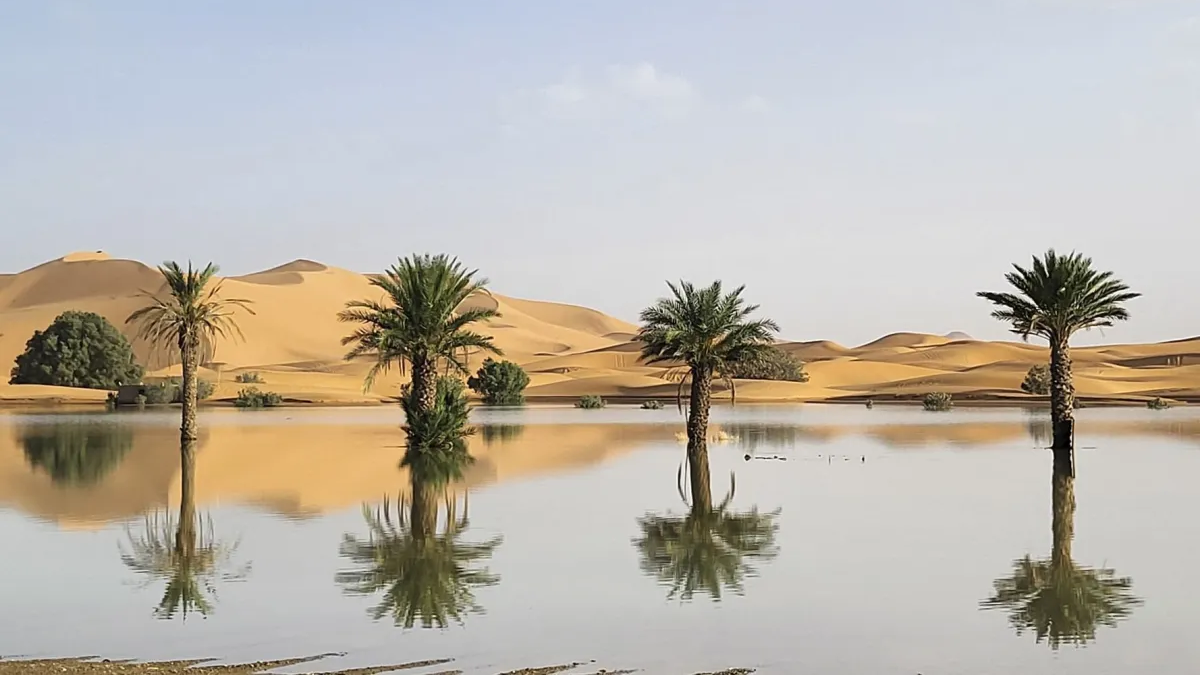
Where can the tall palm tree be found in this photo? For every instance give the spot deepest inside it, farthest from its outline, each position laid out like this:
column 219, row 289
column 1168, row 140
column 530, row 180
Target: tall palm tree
column 420, row 322
column 705, row 330
column 1060, row 601
column 1056, row 297
column 188, row 319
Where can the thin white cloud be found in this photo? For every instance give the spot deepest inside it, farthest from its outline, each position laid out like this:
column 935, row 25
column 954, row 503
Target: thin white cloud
column 645, row 82
column 756, row 104
column 619, row 89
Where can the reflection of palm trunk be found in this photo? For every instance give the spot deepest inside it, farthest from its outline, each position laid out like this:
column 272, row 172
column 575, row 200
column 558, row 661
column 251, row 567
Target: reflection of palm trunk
column 185, row 535
column 424, row 509
column 697, row 431
column 1063, row 520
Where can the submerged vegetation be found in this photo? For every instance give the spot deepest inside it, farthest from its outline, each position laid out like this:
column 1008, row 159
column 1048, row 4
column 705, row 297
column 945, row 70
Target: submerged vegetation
column 938, row 401
column 253, row 398
column 500, row 383
column 652, row 405
column 590, row 402
column 1158, row 403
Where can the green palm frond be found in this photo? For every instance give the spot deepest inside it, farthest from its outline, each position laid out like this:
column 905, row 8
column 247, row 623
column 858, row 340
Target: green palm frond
column 705, row 329
column 420, row 319
column 190, row 314
column 1059, row 295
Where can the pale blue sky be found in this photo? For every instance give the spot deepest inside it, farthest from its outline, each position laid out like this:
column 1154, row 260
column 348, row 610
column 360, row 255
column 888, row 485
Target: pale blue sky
column 863, row 166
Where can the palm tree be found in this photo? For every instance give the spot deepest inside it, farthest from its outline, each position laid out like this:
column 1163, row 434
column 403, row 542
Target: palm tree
column 1056, row 297
column 1060, row 601
column 419, row 323
column 189, row 319
column 426, row 576
column 705, row 330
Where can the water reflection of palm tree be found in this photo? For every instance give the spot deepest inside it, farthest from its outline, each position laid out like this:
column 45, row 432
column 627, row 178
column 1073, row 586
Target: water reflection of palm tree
column 186, row 554
column 1060, row 601
column 76, row 453
column 709, row 551
column 427, row 574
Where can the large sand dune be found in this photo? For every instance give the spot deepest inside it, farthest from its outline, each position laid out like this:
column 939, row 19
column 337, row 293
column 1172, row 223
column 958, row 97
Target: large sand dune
column 293, row 340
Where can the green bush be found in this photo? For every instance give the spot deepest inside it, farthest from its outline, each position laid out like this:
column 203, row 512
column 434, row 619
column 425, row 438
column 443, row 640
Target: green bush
column 500, row 383
column 652, row 405
column 77, row 349
column 1158, row 403
column 249, row 378
column 772, row 364
column 1037, row 381
column 437, row 439
column 170, row 390
column 590, row 402
column 870, row 404
column 938, row 401
column 253, row 398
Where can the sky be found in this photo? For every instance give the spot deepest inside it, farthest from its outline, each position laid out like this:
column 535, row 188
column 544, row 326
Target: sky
column 862, row 166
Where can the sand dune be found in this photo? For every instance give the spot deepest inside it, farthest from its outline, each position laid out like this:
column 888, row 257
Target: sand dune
column 293, row 341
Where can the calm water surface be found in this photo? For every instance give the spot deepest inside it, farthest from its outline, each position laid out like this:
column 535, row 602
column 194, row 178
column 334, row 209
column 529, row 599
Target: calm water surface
column 875, row 546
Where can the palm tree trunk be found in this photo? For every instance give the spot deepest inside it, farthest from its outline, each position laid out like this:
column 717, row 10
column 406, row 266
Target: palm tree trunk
column 1062, row 401
column 1063, row 519
column 187, row 429
column 424, row 383
column 697, row 431
column 424, row 510
column 185, row 534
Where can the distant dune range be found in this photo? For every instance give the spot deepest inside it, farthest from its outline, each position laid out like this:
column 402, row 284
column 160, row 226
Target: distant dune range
column 569, row 351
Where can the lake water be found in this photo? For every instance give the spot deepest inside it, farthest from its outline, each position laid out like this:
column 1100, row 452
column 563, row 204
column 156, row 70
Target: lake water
column 893, row 528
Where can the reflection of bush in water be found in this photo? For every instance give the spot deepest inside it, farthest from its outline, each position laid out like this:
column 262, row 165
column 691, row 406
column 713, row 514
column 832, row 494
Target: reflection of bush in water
column 500, row 433
column 752, row 436
column 1040, row 431
column 76, row 453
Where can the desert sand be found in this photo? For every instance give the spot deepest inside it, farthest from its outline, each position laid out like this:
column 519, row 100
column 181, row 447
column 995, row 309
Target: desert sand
column 293, row 341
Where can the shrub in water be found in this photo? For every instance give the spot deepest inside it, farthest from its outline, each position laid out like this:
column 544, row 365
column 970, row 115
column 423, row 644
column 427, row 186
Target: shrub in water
column 253, row 398
column 1037, row 381
column 1158, row 404
column 870, row 404
column 500, row 383
column 248, row 378
column 590, row 402
column 938, row 401
column 652, row 405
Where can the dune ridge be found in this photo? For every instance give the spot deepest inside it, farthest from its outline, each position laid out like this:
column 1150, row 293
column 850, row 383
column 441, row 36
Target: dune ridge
column 293, row 341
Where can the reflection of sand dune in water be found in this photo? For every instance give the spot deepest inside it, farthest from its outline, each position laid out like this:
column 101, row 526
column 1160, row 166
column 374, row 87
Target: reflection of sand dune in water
column 293, row 470
column 304, row 470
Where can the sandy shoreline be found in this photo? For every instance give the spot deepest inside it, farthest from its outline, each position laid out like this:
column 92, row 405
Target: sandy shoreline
column 92, row 666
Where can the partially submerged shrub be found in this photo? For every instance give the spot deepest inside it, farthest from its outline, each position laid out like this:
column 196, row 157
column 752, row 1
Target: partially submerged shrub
column 1158, row 403
column 251, row 377
column 590, row 402
column 500, row 383
column 870, row 404
column 170, row 390
column 140, row 400
column 1037, row 380
column 771, row 364
column 652, row 405
column 110, row 401
column 253, row 398
column 437, row 438
column 938, row 401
